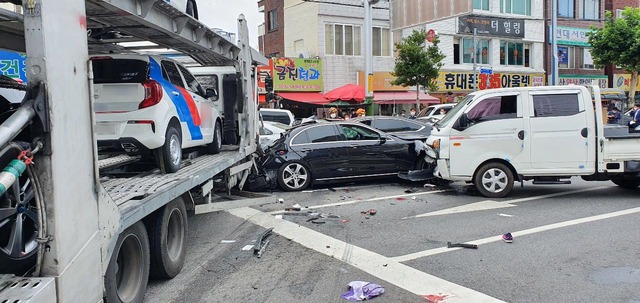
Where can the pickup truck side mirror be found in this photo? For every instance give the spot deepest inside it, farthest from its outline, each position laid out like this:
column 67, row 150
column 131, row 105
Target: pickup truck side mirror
column 211, row 94
column 463, row 122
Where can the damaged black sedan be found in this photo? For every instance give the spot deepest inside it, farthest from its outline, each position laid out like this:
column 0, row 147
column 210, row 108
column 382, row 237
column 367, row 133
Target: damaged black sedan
column 331, row 152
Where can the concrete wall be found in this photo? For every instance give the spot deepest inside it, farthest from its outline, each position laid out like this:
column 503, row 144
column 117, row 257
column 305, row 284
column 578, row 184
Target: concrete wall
column 301, row 25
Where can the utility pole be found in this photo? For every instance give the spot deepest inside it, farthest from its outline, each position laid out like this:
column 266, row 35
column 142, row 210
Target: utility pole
column 554, row 43
column 475, row 60
column 368, row 46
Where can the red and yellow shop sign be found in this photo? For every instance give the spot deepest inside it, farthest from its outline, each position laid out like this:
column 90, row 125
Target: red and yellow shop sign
column 464, row 81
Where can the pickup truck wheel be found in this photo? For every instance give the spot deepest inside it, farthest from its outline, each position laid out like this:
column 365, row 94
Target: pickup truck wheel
column 168, row 234
column 169, row 156
column 215, row 146
column 494, row 180
column 294, row 176
column 128, row 271
column 626, row 182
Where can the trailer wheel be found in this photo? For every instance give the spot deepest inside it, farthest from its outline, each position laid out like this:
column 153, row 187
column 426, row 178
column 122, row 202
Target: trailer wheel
column 169, row 155
column 128, row 271
column 494, row 180
column 215, row 146
column 294, row 176
column 626, row 182
column 168, row 235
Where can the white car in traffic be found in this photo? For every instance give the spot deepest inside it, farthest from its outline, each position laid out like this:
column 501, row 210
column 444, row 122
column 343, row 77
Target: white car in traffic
column 152, row 104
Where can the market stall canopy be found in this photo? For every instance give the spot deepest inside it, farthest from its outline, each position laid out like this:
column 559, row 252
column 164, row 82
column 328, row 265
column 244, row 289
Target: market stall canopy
column 407, row 97
column 305, row 97
column 346, row 92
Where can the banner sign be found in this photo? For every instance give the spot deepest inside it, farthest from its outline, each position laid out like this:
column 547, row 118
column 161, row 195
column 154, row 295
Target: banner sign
column 13, row 65
column 490, row 26
column 464, row 82
column 297, row 74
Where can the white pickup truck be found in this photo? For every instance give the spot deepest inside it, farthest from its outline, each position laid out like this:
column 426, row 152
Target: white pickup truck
column 546, row 134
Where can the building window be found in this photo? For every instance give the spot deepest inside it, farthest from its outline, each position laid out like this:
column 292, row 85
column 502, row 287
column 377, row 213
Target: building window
column 619, row 13
column 273, row 20
column 381, row 42
column 481, row 4
column 342, row 39
column 590, row 9
column 481, row 52
column 566, row 57
column 517, row 7
column 565, row 8
column 587, row 60
column 513, row 53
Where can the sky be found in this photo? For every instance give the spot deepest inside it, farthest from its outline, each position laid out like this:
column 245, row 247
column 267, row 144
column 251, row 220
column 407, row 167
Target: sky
column 224, row 14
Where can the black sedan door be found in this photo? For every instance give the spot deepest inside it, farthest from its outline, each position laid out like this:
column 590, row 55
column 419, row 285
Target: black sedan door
column 319, row 147
column 370, row 154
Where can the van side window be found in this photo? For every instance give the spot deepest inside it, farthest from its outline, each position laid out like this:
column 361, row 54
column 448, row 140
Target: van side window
column 192, row 83
column 555, row 105
column 494, row 108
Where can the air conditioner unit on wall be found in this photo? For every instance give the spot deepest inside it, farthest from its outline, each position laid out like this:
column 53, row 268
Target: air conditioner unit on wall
column 304, row 54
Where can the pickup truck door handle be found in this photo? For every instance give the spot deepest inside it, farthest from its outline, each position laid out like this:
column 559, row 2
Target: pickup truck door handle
column 306, row 150
column 584, row 132
column 521, row 135
column 175, row 93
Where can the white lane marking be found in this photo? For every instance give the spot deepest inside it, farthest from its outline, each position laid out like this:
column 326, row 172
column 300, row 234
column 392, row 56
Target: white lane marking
column 478, row 206
column 366, row 200
column 489, row 204
column 403, row 276
column 435, row 251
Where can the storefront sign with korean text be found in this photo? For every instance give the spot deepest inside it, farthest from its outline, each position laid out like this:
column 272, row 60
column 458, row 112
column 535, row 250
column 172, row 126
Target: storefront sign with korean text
column 571, row 36
column 13, row 65
column 382, row 82
column 464, row 82
column 489, row 26
column 602, row 81
column 623, row 82
column 297, row 74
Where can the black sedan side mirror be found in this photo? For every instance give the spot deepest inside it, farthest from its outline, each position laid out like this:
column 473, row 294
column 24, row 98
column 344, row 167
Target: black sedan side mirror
column 383, row 139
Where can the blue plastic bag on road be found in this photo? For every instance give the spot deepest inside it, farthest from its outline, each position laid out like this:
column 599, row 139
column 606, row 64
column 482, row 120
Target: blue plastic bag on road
column 359, row 291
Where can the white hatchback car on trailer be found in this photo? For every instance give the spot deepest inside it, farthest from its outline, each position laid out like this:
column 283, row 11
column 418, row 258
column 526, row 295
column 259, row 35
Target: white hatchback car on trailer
column 152, row 103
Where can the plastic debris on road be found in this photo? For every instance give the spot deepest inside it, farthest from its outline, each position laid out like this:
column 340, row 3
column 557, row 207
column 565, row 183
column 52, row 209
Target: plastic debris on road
column 434, row 298
column 359, row 291
column 369, row 212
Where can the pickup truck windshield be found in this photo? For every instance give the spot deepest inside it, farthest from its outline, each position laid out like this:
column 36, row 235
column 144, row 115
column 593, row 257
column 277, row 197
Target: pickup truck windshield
column 454, row 111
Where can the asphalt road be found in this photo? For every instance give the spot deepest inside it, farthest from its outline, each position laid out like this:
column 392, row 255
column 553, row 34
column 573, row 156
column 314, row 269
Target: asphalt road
column 572, row 243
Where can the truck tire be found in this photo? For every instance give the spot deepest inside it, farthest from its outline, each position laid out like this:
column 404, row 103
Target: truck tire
column 494, row 180
column 626, row 182
column 215, row 146
column 169, row 155
column 168, row 238
column 128, row 271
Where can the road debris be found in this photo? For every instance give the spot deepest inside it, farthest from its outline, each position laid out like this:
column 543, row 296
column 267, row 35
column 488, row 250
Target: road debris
column 411, row 190
column 227, row 241
column 318, row 222
column 434, row 298
column 507, row 238
column 463, row 245
column 359, row 291
column 344, row 221
column 262, row 241
column 247, row 247
column 372, row 212
column 413, row 198
column 332, row 189
column 280, row 200
column 295, row 207
column 278, row 216
column 505, row 215
column 401, row 199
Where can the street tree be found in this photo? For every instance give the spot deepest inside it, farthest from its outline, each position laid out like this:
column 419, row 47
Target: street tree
column 618, row 42
column 418, row 63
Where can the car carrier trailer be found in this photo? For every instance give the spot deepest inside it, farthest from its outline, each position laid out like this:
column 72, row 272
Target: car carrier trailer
column 101, row 236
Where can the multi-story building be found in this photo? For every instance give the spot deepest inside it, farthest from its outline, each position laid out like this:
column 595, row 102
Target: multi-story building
column 509, row 44
column 618, row 78
column 575, row 64
column 271, row 40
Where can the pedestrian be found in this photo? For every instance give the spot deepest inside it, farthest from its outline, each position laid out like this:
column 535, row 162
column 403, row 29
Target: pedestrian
column 443, row 111
column 403, row 113
column 333, row 113
column 634, row 124
column 346, row 116
column 360, row 113
column 614, row 115
column 412, row 113
column 353, row 113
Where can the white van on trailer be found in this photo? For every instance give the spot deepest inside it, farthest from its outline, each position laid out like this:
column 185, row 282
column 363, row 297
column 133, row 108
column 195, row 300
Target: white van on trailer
column 546, row 134
column 100, row 236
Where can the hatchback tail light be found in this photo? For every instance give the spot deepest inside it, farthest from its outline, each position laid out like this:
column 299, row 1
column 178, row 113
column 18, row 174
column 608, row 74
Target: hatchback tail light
column 152, row 94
